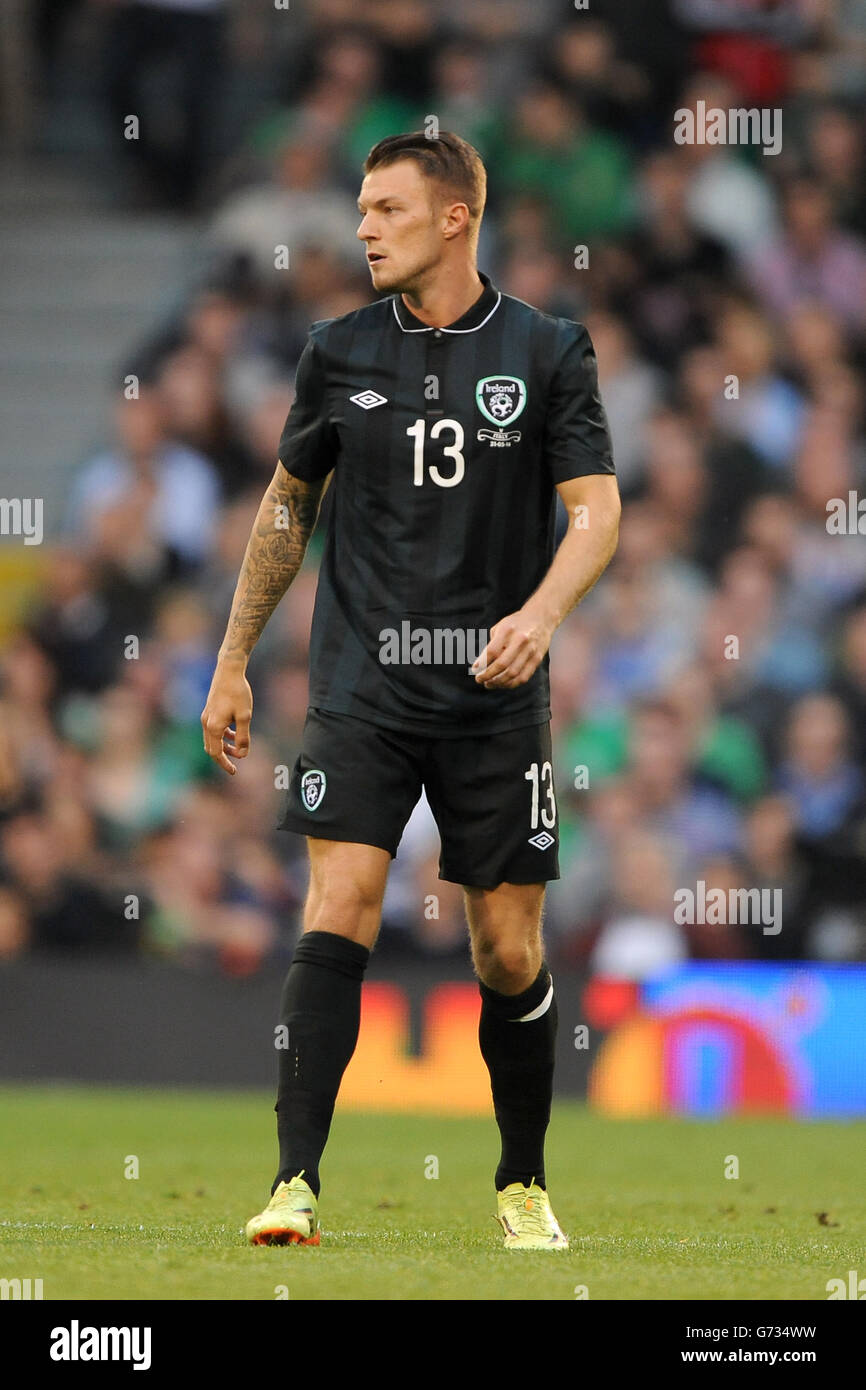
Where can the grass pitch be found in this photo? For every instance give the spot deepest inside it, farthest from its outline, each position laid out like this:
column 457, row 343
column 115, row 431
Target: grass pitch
column 646, row 1204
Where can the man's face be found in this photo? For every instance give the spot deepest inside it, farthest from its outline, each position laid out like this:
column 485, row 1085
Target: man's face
column 402, row 225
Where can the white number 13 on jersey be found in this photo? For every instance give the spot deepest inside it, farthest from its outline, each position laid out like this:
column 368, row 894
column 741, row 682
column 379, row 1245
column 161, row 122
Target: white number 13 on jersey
column 548, row 817
column 452, row 451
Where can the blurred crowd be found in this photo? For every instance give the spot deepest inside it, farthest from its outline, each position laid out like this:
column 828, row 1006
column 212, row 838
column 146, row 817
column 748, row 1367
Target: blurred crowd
column 709, row 696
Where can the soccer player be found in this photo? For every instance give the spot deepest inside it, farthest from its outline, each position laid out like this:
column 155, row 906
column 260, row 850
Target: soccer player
column 447, row 416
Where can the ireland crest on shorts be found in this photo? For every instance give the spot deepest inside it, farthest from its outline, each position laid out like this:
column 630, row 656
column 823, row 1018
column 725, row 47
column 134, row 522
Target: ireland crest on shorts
column 313, row 784
column 500, row 398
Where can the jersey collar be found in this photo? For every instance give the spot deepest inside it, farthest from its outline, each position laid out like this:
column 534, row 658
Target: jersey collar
column 475, row 317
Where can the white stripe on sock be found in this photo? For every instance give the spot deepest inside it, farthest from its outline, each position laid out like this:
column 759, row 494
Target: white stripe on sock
column 542, row 1008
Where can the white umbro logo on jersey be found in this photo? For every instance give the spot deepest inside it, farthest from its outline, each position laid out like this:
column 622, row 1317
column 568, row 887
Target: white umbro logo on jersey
column 367, row 400
column 542, row 841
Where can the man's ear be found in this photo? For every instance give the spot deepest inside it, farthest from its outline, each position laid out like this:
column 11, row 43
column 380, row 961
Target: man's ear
column 456, row 219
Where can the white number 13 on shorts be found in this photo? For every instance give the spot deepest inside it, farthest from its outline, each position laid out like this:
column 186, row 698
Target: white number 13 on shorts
column 543, row 781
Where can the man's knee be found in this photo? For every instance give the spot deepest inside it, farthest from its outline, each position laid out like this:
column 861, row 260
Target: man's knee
column 505, row 927
column 510, row 961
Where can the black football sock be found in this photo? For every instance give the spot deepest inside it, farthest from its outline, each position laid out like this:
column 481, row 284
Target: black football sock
column 321, row 1009
column 517, row 1034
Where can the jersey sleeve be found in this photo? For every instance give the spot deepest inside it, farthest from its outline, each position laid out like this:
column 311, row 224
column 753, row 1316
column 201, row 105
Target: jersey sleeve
column 308, row 443
column 577, row 435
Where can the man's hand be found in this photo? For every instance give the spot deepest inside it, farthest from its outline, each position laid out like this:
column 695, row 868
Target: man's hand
column 518, row 643
column 229, row 702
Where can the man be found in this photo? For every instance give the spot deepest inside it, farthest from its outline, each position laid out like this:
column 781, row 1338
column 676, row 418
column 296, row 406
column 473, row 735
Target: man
column 446, row 414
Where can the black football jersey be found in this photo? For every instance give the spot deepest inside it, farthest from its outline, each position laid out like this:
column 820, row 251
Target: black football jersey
column 446, row 446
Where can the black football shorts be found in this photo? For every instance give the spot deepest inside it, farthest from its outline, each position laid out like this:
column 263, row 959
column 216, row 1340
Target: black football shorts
column 492, row 795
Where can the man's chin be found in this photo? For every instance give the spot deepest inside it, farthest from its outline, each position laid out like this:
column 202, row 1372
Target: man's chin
column 383, row 276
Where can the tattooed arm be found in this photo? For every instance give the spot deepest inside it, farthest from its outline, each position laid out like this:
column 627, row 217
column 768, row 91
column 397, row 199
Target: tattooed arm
column 273, row 557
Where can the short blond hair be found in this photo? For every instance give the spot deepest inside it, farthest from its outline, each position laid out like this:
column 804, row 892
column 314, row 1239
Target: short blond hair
column 447, row 159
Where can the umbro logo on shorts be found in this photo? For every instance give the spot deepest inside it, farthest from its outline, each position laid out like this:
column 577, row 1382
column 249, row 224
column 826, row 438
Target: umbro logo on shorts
column 313, row 784
column 542, row 841
column 368, row 400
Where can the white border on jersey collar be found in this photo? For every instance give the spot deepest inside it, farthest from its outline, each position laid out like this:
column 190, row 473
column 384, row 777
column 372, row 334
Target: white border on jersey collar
column 432, row 327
